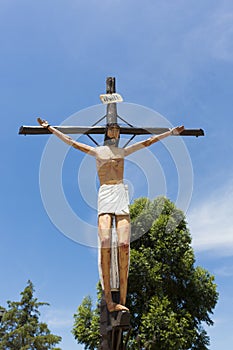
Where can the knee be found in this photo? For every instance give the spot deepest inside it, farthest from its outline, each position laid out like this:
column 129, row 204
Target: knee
column 105, row 242
column 124, row 245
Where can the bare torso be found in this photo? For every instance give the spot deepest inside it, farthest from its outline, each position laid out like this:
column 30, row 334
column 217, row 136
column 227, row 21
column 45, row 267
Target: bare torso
column 110, row 168
column 110, row 164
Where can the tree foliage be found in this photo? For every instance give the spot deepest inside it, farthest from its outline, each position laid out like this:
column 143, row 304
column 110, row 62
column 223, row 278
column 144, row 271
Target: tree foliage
column 20, row 328
column 86, row 325
column 170, row 299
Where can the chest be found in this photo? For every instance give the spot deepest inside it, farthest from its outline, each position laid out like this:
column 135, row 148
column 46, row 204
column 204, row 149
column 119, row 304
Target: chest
column 109, row 154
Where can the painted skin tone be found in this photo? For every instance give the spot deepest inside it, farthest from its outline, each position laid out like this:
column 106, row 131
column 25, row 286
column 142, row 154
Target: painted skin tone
column 110, row 169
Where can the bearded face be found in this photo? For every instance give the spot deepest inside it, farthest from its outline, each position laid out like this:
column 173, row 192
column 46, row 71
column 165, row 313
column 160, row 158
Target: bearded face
column 112, row 135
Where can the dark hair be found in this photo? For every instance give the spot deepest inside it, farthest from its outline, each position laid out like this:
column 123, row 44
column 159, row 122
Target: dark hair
column 107, row 139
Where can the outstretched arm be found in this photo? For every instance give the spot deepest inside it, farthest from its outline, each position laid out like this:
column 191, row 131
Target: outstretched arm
column 146, row 143
column 80, row 146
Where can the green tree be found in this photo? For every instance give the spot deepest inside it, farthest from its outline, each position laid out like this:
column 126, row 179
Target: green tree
column 20, row 328
column 170, row 299
column 86, row 325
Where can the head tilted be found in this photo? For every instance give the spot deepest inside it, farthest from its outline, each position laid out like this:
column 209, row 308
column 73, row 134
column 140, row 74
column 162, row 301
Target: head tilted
column 112, row 135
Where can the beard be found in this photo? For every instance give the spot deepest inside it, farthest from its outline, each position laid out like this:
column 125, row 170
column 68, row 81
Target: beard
column 111, row 142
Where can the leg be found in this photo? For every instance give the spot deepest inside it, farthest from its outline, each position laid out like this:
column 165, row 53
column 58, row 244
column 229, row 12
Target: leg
column 104, row 224
column 123, row 232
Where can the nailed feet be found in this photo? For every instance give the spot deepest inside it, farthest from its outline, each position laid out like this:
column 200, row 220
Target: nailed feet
column 116, row 307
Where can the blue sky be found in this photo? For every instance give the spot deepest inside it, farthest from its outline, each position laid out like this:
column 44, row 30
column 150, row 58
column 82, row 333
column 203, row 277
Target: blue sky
column 173, row 57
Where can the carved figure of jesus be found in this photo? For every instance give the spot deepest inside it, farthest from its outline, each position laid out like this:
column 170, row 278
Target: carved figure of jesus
column 112, row 200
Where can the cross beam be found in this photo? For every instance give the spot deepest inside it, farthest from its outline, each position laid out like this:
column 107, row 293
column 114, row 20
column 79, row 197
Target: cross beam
column 111, row 117
column 94, row 130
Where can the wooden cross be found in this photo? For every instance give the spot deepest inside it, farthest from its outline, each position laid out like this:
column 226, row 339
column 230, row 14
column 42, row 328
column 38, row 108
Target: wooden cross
column 111, row 117
column 112, row 325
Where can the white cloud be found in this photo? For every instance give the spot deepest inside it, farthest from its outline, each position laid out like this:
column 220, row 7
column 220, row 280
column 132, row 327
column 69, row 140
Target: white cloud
column 211, row 222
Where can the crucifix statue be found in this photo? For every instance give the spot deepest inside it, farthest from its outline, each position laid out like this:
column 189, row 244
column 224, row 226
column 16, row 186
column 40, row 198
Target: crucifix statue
column 112, row 200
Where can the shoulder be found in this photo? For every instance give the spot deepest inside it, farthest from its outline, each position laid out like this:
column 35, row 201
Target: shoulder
column 101, row 149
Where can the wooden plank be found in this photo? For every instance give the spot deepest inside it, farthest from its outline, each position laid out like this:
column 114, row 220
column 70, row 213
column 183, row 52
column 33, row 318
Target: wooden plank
column 39, row 130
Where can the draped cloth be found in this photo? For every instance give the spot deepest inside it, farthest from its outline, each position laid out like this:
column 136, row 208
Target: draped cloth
column 113, row 199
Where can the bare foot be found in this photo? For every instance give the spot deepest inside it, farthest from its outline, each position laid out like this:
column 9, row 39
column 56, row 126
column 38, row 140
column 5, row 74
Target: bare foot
column 116, row 307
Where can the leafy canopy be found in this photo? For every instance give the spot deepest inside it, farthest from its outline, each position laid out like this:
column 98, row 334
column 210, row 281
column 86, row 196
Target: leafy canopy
column 168, row 296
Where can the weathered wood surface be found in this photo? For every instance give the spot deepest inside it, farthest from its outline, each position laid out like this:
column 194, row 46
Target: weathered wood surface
column 39, row 130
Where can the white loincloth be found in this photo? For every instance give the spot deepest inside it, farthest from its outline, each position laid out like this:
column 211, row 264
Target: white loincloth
column 113, row 199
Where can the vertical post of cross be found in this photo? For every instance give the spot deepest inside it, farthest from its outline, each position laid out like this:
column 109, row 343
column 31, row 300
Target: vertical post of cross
column 105, row 318
column 111, row 107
